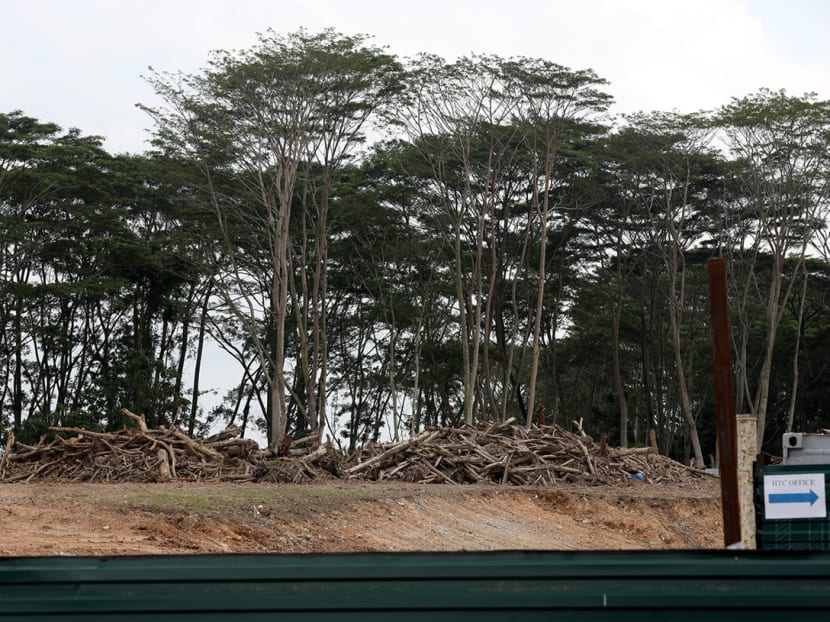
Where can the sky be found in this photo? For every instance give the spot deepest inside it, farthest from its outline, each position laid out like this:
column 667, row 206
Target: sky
column 79, row 63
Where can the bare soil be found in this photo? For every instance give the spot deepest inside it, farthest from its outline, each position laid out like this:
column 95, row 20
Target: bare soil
column 125, row 519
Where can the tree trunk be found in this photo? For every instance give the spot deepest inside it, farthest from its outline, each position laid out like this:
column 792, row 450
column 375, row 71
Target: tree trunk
column 17, row 391
column 540, row 291
column 799, row 330
column 464, row 327
column 279, row 302
column 762, row 392
column 685, row 403
column 615, row 350
column 197, row 369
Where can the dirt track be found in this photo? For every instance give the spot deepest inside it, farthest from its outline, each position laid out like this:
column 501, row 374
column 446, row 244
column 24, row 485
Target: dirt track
column 125, row 519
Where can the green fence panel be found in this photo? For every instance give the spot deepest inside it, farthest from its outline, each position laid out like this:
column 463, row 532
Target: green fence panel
column 620, row 586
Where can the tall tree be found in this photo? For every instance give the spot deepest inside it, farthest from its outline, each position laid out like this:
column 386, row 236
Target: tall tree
column 780, row 144
column 455, row 119
column 669, row 174
column 257, row 119
column 474, row 121
column 555, row 100
column 93, row 264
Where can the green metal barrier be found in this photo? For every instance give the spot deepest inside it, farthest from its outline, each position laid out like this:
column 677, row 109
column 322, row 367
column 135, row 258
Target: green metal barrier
column 619, row 586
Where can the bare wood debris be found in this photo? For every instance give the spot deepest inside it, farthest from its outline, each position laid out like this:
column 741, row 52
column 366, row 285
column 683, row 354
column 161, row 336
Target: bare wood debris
column 138, row 455
column 504, row 453
column 500, row 453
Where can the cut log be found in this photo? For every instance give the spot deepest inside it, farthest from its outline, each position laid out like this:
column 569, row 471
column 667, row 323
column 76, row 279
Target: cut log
column 423, row 437
column 315, row 455
column 499, row 453
column 165, row 473
column 633, row 451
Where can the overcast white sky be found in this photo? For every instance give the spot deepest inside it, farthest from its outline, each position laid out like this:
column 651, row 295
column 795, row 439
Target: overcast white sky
column 79, row 63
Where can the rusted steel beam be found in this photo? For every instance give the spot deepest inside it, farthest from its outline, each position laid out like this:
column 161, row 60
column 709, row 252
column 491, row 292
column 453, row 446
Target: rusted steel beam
column 724, row 401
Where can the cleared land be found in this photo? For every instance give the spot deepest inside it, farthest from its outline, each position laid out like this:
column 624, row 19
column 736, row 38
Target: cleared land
column 56, row 518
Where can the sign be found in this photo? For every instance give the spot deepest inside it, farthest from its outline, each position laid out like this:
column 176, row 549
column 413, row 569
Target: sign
column 799, row 495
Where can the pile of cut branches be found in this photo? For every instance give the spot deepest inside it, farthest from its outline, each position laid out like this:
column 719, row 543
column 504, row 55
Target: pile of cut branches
column 501, row 453
column 135, row 455
column 302, row 461
column 509, row 454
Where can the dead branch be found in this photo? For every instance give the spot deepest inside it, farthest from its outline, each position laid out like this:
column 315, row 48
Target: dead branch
column 142, row 422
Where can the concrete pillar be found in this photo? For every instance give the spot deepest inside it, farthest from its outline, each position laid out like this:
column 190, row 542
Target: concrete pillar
column 746, row 426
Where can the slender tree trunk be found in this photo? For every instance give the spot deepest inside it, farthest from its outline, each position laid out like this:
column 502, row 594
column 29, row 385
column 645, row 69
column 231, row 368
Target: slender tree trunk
column 685, row 403
column 676, row 266
column 393, row 385
column 416, row 391
column 475, row 324
column 540, row 293
column 463, row 324
column 744, row 280
column 185, row 336
column 279, row 302
column 509, row 375
column 17, row 391
column 322, row 383
column 488, row 325
column 615, row 350
column 319, row 296
column 302, row 305
column 86, row 352
column 799, row 329
column 197, row 368
column 762, row 393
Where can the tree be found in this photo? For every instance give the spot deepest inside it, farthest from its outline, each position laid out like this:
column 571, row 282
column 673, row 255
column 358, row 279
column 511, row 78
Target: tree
column 667, row 172
column 256, row 120
column 94, row 260
column 554, row 102
column 489, row 129
column 455, row 120
column 780, row 144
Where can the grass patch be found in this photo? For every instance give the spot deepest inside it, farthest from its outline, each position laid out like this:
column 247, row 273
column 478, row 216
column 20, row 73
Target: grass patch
column 241, row 502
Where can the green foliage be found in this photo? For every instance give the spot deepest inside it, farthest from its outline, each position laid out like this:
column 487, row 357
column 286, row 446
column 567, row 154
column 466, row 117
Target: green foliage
column 406, row 275
column 88, row 279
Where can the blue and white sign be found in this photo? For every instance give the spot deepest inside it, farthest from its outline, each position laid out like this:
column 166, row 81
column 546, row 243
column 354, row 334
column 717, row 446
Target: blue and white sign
column 799, row 495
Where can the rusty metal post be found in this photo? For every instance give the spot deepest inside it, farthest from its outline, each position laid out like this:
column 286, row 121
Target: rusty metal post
column 724, row 401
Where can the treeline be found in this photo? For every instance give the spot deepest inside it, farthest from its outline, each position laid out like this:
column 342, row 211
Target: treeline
column 502, row 247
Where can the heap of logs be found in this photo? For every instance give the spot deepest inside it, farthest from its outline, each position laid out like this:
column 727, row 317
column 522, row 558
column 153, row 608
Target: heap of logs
column 137, row 455
column 501, row 453
column 509, row 454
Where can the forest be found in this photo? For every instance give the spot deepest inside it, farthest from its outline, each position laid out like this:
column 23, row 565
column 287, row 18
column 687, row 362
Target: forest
column 384, row 245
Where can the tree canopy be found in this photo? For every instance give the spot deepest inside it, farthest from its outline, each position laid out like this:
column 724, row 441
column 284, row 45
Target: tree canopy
column 383, row 245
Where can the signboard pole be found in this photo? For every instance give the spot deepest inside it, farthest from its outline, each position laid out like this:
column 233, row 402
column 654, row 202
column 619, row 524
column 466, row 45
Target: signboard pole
column 747, row 450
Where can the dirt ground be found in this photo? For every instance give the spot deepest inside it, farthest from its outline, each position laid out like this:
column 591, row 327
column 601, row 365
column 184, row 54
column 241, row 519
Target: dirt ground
column 126, row 519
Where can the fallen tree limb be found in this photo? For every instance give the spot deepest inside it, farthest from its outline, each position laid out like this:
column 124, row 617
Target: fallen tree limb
column 142, row 422
column 423, row 437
